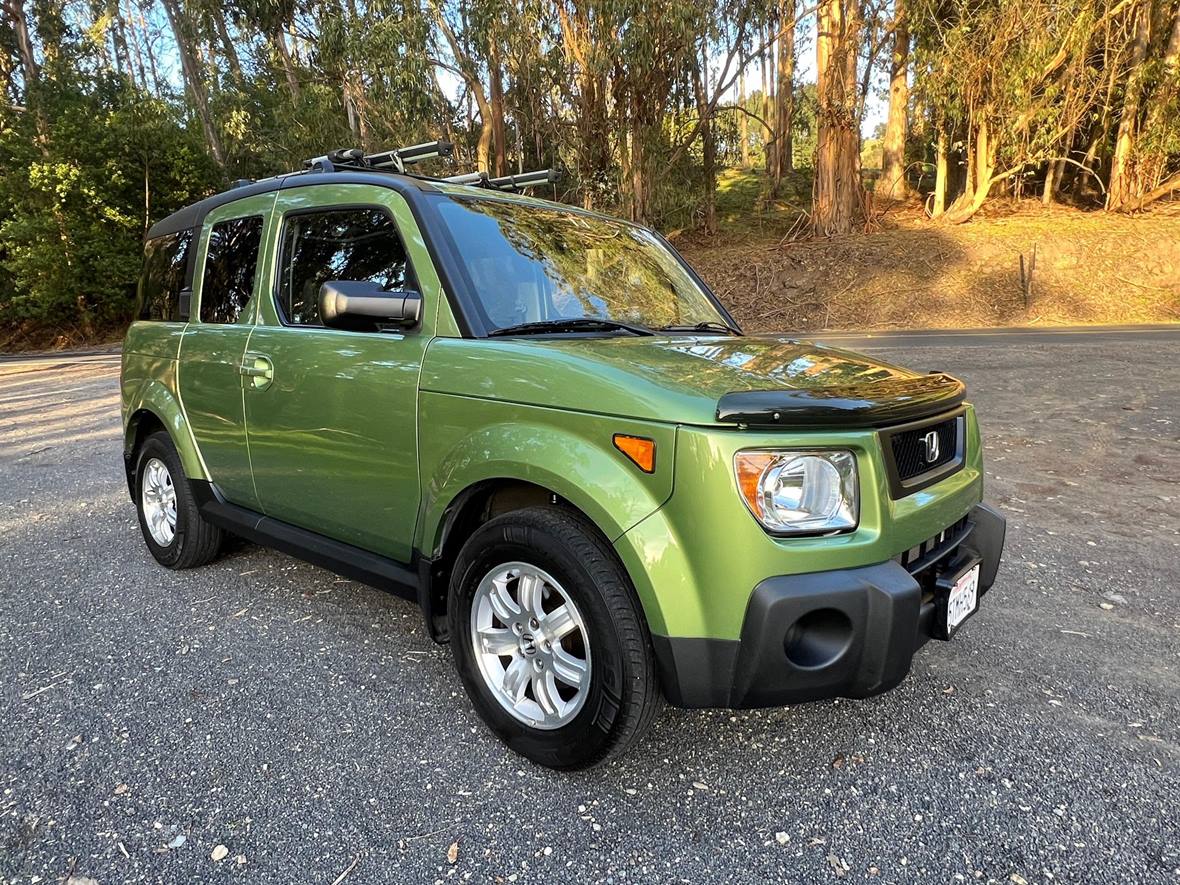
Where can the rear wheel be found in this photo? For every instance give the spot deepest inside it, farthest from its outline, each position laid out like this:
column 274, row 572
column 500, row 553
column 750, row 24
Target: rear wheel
column 172, row 525
column 549, row 639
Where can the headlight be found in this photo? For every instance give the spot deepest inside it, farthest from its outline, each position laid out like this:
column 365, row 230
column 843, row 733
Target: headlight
column 800, row 492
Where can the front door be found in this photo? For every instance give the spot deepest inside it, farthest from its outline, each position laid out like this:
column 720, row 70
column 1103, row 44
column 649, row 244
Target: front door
column 333, row 426
column 209, row 371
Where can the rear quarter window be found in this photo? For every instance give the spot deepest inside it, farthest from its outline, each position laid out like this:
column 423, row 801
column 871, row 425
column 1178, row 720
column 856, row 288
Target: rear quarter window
column 164, row 262
column 230, row 264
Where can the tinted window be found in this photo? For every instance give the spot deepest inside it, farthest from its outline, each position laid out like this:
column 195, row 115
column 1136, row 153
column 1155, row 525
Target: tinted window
column 230, row 263
column 164, row 261
column 341, row 244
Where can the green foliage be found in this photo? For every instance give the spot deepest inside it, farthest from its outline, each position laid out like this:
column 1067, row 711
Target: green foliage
column 89, row 165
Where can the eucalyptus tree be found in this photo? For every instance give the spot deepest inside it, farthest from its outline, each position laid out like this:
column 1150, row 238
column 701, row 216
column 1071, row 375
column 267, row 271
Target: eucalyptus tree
column 837, row 197
column 893, row 166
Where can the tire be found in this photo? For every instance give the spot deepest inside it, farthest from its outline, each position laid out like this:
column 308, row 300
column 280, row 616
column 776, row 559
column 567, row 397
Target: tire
column 619, row 692
column 193, row 541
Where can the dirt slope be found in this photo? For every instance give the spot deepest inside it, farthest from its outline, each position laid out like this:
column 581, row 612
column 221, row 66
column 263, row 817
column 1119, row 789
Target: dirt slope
column 1090, row 268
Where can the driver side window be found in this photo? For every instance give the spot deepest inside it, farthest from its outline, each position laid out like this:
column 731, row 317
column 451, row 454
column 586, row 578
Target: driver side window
column 337, row 244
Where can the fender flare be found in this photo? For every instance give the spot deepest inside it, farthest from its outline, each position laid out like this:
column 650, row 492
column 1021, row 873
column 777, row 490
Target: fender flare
column 519, row 452
column 156, row 399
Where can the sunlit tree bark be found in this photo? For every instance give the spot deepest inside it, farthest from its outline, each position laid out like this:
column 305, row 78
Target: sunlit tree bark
column 784, row 104
column 1120, row 188
column 892, row 183
column 192, row 73
column 837, row 192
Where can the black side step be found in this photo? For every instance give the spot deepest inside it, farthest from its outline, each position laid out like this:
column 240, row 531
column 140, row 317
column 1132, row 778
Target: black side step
column 343, row 559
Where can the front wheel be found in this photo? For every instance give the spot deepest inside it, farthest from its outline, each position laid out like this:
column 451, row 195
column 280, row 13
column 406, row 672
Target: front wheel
column 549, row 639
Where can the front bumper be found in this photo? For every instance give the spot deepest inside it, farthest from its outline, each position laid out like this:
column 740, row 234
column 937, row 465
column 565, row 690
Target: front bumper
column 845, row 633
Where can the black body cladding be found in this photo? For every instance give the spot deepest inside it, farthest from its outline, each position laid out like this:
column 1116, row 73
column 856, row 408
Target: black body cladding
column 844, row 633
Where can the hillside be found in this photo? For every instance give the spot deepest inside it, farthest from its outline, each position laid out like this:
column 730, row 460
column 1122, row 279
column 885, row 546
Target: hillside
column 1090, row 267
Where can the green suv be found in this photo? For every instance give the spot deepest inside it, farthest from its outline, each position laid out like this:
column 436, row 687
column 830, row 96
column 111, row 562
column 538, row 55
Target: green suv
column 540, row 425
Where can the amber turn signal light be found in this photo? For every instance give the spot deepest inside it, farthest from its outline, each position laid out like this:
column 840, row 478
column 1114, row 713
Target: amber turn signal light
column 641, row 451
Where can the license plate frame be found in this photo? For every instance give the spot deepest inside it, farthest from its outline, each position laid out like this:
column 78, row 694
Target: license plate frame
column 958, row 598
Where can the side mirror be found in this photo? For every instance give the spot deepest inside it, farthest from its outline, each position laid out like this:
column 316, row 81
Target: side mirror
column 362, row 306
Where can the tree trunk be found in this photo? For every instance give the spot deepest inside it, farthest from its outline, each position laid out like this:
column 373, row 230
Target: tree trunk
column 1121, row 188
column 1054, row 169
column 1170, row 186
column 1153, row 167
column 893, row 183
column 837, row 193
column 227, row 46
column 138, row 67
column 157, row 83
column 767, row 135
column 279, row 40
column 590, row 103
column 192, row 77
column 743, row 118
column 784, row 95
column 708, row 144
column 940, row 172
column 483, row 148
column 985, row 168
column 638, row 176
column 496, row 90
column 15, row 10
column 119, row 45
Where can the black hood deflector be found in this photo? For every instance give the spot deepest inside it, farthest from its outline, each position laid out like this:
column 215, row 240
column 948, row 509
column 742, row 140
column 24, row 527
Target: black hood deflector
column 871, row 404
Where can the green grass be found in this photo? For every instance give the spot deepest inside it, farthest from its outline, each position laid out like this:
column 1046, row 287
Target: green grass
column 746, row 208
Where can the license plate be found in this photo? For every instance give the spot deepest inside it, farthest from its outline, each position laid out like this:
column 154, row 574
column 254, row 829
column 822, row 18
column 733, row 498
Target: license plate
column 963, row 599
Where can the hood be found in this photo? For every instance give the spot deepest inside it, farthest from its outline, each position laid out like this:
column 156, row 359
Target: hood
column 675, row 378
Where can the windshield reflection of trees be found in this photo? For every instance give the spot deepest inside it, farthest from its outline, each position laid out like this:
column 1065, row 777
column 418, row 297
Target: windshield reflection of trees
column 587, row 266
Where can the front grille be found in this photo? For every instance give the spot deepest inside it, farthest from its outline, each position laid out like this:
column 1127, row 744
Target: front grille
column 911, row 451
column 922, row 453
column 920, row 557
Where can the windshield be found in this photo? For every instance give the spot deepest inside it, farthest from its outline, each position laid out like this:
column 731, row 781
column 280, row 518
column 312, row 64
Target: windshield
column 530, row 264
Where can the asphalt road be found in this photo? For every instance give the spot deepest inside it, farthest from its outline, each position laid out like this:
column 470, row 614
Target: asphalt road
column 307, row 724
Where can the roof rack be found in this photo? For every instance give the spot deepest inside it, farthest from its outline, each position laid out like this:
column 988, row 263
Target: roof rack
column 395, row 160
column 506, row 182
column 398, row 159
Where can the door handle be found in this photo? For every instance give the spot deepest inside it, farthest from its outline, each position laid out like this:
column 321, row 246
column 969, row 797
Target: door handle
column 258, row 368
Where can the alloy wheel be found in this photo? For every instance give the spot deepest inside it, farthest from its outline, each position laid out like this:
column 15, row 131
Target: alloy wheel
column 531, row 644
column 158, row 499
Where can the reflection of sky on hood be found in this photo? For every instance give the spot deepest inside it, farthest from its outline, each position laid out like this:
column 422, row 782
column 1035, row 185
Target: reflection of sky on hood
column 798, row 361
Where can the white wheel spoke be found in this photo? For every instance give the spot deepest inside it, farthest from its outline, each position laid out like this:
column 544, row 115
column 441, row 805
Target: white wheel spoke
column 545, row 691
column 516, row 678
column 570, row 670
column 528, row 590
column 498, row 641
column 502, row 602
column 558, row 623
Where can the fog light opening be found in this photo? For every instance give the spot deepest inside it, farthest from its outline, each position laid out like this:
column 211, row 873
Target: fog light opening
column 818, row 638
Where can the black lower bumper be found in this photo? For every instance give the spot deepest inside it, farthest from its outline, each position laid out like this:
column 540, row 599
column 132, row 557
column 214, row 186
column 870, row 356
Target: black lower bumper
column 846, row 633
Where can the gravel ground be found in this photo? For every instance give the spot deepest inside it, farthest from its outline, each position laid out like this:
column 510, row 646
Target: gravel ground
column 306, row 724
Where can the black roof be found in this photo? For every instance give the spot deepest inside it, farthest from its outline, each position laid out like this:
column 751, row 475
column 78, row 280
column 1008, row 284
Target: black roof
column 194, row 214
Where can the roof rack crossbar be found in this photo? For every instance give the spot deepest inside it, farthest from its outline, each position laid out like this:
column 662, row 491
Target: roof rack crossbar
column 396, row 159
column 523, row 180
column 399, row 158
column 506, row 182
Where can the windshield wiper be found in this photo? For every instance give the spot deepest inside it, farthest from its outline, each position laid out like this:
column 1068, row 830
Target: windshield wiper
column 707, row 326
column 571, row 324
